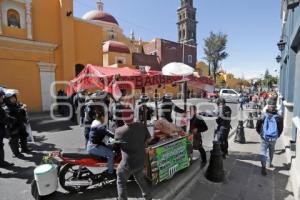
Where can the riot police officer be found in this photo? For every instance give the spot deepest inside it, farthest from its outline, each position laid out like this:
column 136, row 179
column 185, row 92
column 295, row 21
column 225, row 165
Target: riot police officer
column 223, row 125
column 16, row 126
column 3, row 122
column 168, row 106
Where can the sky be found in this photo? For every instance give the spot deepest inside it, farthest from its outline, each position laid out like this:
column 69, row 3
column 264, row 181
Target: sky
column 252, row 26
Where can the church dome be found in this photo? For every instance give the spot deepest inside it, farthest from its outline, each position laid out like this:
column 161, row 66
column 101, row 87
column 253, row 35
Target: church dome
column 114, row 46
column 98, row 15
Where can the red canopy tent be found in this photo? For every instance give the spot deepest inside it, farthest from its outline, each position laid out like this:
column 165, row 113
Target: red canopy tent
column 103, row 77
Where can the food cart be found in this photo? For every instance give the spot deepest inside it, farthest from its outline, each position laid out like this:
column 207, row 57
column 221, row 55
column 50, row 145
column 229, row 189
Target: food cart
column 166, row 156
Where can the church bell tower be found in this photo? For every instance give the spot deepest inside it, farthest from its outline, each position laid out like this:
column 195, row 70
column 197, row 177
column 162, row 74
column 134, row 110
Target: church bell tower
column 187, row 24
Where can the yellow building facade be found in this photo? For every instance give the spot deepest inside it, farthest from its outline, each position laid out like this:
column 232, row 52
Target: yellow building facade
column 41, row 42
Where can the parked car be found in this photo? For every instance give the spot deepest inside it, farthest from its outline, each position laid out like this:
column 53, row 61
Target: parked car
column 230, row 95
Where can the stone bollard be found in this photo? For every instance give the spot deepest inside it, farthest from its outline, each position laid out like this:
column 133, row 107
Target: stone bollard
column 250, row 123
column 215, row 171
column 240, row 133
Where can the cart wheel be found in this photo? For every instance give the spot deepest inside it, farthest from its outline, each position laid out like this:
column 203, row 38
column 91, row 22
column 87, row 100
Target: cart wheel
column 34, row 190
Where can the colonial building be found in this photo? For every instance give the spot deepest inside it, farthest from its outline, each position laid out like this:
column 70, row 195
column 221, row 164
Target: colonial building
column 289, row 86
column 42, row 42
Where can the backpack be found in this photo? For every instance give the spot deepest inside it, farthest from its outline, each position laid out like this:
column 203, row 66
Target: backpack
column 270, row 129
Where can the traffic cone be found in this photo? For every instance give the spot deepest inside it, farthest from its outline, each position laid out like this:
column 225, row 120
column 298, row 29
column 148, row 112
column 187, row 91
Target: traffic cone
column 215, row 171
column 250, row 123
column 240, row 133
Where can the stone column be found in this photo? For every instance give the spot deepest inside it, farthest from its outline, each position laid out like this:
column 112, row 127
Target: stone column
column 47, row 77
column 28, row 19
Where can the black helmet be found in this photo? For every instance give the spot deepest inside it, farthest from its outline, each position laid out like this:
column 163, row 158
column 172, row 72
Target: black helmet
column 221, row 101
column 2, row 93
column 143, row 99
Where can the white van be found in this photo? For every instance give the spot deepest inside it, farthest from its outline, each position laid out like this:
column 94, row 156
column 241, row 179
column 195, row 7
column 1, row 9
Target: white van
column 230, row 95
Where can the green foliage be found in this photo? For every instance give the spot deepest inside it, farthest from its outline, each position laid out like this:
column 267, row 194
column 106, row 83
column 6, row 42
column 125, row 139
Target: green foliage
column 214, row 50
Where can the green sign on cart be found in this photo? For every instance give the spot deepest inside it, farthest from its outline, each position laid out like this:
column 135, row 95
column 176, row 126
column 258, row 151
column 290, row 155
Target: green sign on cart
column 172, row 158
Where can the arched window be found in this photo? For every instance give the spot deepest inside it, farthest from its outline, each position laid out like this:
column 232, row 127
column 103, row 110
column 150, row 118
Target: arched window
column 13, row 18
column 183, row 33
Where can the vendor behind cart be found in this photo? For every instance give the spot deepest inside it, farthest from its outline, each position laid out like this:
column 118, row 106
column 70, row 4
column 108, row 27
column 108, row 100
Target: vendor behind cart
column 168, row 106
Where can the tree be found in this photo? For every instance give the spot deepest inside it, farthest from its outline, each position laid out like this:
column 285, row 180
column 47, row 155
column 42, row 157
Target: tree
column 269, row 80
column 214, row 50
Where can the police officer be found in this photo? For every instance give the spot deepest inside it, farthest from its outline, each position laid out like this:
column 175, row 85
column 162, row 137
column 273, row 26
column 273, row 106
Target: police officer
column 3, row 122
column 16, row 126
column 167, row 107
column 223, row 125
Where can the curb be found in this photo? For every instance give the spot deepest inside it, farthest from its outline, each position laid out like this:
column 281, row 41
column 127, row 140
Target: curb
column 190, row 178
column 183, row 184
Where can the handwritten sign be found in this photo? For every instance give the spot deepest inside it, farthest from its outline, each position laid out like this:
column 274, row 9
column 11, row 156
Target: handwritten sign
column 171, row 158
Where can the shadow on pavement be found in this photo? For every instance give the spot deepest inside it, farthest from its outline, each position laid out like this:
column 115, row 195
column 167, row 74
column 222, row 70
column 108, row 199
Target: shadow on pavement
column 51, row 125
column 243, row 181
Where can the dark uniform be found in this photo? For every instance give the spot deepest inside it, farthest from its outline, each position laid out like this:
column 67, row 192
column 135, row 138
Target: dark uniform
column 3, row 123
column 16, row 128
column 223, row 128
column 167, row 107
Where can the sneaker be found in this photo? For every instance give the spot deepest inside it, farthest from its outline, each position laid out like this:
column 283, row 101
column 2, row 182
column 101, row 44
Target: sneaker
column 26, row 150
column 269, row 165
column 110, row 176
column 203, row 163
column 264, row 171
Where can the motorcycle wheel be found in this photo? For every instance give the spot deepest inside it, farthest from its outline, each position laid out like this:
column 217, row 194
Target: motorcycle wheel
column 68, row 168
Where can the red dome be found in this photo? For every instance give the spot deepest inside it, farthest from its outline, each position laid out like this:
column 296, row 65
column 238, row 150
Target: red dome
column 114, row 46
column 97, row 15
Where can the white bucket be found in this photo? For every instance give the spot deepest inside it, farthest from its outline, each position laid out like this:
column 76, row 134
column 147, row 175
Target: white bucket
column 46, row 179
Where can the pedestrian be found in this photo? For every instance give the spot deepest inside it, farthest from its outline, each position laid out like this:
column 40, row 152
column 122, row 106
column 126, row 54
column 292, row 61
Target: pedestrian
column 197, row 127
column 17, row 124
column 98, row 139
column 168, row 106
column 241, row 101
column 3, row 122
column 223, row 125
column 134, row 137
column 269, row 127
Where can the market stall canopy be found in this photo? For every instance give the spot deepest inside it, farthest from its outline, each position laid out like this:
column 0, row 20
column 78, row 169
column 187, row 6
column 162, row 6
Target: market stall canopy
column 101, row 78
column 177, row 69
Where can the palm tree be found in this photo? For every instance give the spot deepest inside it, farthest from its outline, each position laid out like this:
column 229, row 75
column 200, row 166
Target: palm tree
column 214, row 51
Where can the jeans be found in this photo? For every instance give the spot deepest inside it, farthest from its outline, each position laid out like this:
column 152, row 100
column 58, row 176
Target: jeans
column 222, row 134
column 102, row 151
column 267, row 150
column 123, row 174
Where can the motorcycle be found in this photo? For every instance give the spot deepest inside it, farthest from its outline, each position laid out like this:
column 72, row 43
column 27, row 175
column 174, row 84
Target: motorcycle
column 79, row 170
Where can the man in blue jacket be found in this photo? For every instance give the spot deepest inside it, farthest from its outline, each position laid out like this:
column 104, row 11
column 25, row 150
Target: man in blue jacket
column 269, row 127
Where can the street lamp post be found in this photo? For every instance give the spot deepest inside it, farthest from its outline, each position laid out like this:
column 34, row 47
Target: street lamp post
column 184, row 84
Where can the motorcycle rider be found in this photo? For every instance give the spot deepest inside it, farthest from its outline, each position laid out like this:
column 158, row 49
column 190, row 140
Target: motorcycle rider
column 97, row 139
column 3, row 122
column 16, row 126
column 223, row 125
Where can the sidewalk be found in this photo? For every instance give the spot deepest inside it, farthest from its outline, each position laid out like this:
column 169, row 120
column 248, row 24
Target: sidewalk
column 243, row 178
